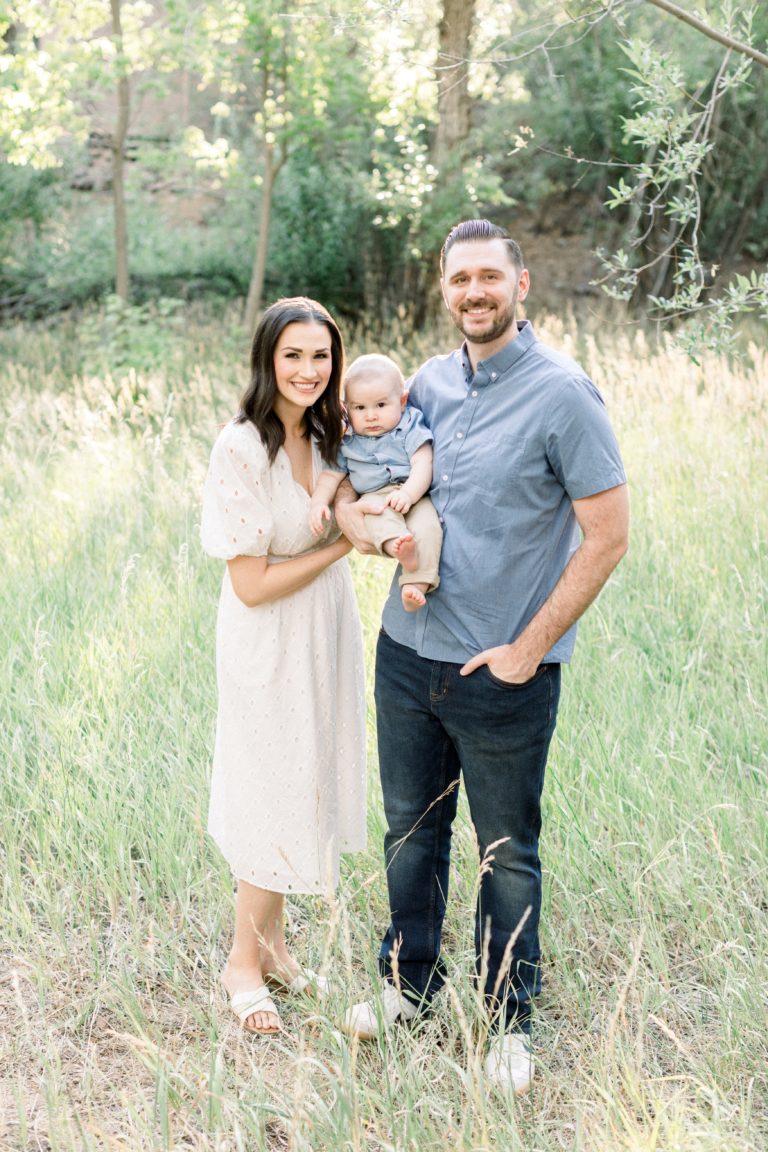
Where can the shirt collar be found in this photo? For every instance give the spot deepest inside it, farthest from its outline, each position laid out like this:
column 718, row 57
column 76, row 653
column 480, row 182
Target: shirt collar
column 495, row 366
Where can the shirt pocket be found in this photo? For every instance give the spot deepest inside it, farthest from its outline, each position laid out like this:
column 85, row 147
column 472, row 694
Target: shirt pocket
column 490, row 491
column 498, row 465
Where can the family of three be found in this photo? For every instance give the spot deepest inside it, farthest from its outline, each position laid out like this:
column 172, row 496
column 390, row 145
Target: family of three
column 500, row 490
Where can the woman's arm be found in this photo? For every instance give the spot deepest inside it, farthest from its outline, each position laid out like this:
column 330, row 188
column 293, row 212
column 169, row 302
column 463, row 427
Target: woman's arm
column 257, row 582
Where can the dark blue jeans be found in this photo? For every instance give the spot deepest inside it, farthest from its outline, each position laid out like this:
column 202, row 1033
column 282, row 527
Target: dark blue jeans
column 433, row 727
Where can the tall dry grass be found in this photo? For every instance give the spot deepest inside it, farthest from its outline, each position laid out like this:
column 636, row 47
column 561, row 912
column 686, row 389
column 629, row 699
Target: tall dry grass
column 651, row 1031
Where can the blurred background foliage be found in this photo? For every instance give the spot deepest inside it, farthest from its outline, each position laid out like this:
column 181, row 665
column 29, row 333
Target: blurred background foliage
column 325, row 146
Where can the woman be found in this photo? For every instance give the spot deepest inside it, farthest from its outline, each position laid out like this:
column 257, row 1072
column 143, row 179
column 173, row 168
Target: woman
column 288, row 787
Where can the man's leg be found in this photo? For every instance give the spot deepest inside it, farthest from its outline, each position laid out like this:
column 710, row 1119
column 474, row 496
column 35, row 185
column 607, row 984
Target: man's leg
column 419, row 778
column 502, row 734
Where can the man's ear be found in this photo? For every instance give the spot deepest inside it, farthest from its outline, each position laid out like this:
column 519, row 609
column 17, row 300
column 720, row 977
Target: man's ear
column 523, row 285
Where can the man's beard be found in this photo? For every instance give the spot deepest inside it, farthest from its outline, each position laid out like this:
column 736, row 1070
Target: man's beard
column 503, row 322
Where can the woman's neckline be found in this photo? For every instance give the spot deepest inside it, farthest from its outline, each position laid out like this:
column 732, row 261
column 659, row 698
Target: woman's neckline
column 313, row 477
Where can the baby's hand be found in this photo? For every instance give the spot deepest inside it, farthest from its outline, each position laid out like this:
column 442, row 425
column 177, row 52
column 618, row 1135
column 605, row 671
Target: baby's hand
column 318, row 514
column 400, row 501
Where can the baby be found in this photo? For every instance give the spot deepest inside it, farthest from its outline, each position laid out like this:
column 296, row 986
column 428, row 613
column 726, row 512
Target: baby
column 388, row 452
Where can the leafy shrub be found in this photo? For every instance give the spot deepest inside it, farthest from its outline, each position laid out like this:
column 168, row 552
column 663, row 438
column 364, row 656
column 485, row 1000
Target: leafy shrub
column 121, row 336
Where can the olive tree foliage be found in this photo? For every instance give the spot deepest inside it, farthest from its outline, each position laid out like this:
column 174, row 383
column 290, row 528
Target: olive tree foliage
column 655, row 117
column 701, row 131
column 652, row 115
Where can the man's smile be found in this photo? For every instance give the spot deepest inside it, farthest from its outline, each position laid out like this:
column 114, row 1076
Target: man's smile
column 477, row 309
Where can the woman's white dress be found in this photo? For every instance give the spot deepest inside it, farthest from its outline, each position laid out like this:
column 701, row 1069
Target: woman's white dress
column 288, row 784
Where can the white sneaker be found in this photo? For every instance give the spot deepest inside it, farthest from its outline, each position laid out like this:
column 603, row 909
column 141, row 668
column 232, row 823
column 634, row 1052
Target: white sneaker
column 365, row 1020
column 509, row 1064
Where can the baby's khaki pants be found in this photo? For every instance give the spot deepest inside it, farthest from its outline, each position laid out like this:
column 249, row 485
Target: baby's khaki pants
column 423, row 524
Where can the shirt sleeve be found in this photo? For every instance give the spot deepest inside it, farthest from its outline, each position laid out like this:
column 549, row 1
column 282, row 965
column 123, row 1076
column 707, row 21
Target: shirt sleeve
column 416, row 431
column 236, row 519
column 340, row 464
column 581, row 446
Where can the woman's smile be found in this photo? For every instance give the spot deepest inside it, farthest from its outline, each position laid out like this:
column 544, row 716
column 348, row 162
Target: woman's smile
column 303, row 365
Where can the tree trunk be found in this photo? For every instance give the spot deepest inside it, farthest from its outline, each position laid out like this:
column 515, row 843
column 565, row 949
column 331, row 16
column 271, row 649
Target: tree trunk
column 452, row 75
column 122, row 286
column 256, row 286
column 447, row 154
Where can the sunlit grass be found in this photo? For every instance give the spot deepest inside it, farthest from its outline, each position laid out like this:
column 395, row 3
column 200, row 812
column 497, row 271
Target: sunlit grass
column 651, row 1031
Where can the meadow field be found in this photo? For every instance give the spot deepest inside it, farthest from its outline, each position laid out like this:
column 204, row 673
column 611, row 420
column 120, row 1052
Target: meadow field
column 652, row 1030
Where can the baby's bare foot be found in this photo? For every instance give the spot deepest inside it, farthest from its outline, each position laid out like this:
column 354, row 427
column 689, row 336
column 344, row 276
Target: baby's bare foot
column 403, row 548
column 412, row 596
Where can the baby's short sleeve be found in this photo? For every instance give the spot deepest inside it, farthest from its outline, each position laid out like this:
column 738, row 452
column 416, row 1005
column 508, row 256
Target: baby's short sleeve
column 340, row 463
column 236, row 518
column 416, row 431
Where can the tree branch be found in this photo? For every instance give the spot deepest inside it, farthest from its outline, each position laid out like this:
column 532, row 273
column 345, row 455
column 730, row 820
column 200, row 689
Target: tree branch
column 700, row 26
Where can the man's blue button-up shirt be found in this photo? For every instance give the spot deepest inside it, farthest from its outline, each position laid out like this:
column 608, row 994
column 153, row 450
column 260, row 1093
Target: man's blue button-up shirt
column 515, row 443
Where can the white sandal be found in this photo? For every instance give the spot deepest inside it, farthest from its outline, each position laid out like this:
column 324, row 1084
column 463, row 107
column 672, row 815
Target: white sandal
column 305, row 980
column 245, row 1004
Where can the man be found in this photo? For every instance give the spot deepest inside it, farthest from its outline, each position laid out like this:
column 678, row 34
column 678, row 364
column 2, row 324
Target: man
column 531, row 492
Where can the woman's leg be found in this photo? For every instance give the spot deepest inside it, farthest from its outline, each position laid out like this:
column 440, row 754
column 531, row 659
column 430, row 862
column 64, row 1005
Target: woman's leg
column 258, row 935
column 276, row 960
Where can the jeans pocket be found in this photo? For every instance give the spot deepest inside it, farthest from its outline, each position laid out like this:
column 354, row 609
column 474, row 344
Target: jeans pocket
column 506, row 684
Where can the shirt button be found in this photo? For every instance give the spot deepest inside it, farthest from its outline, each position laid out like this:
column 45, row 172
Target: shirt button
column 475, row 392
column 443, row 477
column 493, row 375
column 459, row 435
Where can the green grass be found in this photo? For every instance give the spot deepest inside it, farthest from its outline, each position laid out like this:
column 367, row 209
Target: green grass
column 651, row 1030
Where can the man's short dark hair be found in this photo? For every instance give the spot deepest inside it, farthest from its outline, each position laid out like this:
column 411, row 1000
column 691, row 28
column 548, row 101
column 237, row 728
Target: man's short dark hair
column 470, row 230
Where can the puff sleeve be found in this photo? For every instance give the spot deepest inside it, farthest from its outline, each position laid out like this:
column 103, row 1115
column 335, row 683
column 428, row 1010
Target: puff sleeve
column 236, row 519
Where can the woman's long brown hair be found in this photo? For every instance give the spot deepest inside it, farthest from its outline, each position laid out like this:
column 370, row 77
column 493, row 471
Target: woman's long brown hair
column 324, row 420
